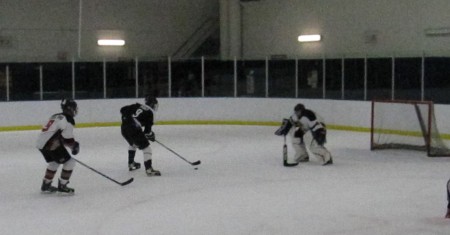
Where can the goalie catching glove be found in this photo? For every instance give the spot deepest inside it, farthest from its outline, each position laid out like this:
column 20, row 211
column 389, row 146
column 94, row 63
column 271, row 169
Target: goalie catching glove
column 286, row 125
column 151, row 136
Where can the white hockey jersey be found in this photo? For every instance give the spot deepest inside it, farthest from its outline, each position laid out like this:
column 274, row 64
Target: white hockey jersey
column 59, row 129
column 308, row 120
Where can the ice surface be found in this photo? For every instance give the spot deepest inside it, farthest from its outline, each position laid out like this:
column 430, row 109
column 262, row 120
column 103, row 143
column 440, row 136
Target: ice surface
column 241, row 187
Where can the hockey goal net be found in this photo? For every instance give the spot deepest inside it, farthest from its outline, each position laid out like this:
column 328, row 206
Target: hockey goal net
column 406, row 125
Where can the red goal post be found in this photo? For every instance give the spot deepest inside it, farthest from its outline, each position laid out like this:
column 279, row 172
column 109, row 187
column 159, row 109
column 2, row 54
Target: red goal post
column 406, row 124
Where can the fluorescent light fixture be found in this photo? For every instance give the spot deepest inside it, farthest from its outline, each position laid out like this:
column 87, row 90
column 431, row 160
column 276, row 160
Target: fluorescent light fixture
column 309, row 38
column 437, row 32
column 111, row 42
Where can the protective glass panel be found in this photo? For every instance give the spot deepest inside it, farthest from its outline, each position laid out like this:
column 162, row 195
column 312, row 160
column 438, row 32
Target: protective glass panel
column 186, row 78
column 282, row 78
column 252, row 78
column 89, row 80
column 219, row 78
column 379, row 78
column 57, row 80
column 24, row 81
column 120, row 79
column 408, row 72
column 310, row 84
column 437, row 82
column 153, row 79
column 354, row 79
column 333, row 77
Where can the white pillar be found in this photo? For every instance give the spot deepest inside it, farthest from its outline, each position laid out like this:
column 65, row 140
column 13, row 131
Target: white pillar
column 80, row 10
column 230, row 29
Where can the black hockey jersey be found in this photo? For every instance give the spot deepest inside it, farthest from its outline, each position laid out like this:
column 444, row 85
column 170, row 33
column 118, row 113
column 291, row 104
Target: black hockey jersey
column 140, row 115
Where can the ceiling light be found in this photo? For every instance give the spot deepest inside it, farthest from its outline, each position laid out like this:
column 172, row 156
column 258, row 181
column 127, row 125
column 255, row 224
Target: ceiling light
column 309, row 38
column 111, row 42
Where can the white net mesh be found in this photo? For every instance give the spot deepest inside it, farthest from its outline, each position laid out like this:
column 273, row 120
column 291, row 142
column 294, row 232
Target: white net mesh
column 406, row 125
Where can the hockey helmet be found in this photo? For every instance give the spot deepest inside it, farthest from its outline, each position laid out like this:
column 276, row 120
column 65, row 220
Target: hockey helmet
column 298, row 109
column 69, row 107
column 152, row 102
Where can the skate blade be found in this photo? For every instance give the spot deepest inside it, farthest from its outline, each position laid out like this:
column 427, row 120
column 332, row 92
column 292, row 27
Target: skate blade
column 48, row 192
column 66, row 193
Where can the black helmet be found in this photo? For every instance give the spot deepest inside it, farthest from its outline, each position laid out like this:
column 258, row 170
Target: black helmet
column 69, row 106
column 152, row 102
column 299, row 107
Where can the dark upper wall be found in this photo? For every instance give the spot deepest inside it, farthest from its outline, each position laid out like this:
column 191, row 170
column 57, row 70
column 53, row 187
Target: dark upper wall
column 43, row 30
column 271, row 27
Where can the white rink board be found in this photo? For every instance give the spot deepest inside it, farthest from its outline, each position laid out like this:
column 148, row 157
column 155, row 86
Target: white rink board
column 335, row 112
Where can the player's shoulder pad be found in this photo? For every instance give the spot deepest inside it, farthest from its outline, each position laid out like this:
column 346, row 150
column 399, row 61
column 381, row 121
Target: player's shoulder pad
column 57, row 116
column 145, row 107
column 70, row 119
column 309, row 114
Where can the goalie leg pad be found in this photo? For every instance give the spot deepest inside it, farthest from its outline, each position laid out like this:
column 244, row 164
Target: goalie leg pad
column 322, row 154
column 301, row 155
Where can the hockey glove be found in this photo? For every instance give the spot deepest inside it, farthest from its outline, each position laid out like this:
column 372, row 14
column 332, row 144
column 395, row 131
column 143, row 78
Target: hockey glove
column 76, row 148
column 284, row 128
column 151, row 136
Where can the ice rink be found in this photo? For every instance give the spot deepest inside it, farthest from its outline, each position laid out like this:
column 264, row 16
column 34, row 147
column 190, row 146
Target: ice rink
column 241, row 187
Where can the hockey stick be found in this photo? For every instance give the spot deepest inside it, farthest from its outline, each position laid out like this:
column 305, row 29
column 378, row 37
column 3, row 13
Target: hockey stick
column 178, row 155
column 98, row 172
column 285, row 155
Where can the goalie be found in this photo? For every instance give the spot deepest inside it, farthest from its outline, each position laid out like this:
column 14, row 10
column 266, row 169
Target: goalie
column 304, row 120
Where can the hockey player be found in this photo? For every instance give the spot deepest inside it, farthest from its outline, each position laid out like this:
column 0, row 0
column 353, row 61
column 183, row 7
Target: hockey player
column 304, row 120
column 55, row 135
column 137, row 122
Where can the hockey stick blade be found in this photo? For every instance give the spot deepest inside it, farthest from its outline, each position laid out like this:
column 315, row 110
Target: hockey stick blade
column 196, row 163
column 127, row 182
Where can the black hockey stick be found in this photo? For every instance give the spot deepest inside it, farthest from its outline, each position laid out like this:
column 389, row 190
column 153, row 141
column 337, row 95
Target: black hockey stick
column 178, row 155
column 98, row 172
column 285, row 155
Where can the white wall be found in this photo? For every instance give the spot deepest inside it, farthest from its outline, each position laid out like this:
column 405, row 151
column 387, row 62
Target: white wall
column 38, row 30
column 344, row 113
column 271, row 27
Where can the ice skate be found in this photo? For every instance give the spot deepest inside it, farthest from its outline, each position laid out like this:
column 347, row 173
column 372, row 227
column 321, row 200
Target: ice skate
column 149, row 169
column 62, row 188
column 47, row 187
column 152, row 172
column 134, row 166
column 329, row 162
column 447, row 216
